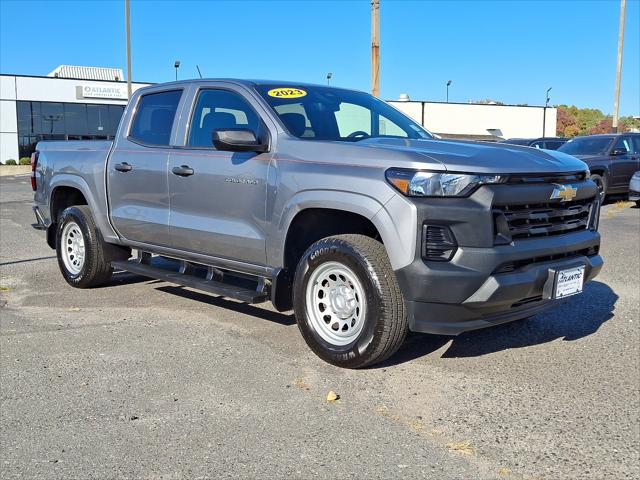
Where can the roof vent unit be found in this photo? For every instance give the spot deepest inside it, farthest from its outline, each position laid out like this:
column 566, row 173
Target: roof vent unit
column 87, row 73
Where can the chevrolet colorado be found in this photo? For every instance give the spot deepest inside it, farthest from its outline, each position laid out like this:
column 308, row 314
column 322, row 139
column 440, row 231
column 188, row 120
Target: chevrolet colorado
column 323, row 200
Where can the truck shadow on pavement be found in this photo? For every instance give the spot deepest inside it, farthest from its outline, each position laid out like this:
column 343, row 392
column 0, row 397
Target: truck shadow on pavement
column 579, row 317
column 221, row 302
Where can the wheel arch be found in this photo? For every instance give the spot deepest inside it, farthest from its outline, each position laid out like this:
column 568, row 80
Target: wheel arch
column 319, row 214
column 67, row 190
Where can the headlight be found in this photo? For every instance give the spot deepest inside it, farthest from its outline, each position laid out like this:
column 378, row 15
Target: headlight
column 421, row 183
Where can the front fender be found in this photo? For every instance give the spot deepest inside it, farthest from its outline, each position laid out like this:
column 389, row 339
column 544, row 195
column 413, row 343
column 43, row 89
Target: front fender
column 392, row 215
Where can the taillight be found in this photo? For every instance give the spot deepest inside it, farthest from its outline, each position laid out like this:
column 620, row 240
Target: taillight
column 34, row 164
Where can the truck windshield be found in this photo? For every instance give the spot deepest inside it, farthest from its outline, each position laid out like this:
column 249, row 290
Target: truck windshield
column 586, row 146
column 326, row 113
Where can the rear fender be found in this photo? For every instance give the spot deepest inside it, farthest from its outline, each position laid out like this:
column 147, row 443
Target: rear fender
column 98, row 210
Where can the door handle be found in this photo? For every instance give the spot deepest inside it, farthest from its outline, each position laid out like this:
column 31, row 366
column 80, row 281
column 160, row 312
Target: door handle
column 123, row 167
column 182, row 171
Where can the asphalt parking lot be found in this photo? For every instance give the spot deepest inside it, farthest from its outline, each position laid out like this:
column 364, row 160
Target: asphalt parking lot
column 142, row 379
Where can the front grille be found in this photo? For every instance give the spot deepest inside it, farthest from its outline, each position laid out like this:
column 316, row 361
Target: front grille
column 509, row 267
column 542, row 219
column 553, row 178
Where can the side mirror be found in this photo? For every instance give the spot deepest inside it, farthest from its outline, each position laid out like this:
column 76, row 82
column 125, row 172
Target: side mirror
column 619, row 151
column 237, row 140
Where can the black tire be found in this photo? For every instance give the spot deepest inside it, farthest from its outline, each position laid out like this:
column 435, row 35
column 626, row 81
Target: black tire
column 96, row 268
column 384, row 325
column 601, row 182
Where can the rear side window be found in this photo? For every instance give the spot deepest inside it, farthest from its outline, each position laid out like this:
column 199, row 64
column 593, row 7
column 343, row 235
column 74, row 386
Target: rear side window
column 154, row 117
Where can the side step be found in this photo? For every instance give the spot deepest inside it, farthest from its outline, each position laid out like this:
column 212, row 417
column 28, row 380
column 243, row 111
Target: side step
column 243, row 294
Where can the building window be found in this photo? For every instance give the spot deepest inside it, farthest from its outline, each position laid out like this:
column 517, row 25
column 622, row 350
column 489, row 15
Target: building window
column 64, row 121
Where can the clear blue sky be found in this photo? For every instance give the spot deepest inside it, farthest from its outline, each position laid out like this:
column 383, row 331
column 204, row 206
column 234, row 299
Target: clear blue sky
column 509, row 51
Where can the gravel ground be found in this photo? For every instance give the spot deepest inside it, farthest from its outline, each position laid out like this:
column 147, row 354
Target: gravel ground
column 142, row 379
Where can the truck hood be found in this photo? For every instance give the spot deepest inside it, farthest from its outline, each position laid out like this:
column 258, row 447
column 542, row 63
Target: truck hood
column 478, row 157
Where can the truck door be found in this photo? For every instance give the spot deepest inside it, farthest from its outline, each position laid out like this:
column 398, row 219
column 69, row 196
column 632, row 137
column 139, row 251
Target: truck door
column 137, row 171
column 624, row 162
column 218, row 198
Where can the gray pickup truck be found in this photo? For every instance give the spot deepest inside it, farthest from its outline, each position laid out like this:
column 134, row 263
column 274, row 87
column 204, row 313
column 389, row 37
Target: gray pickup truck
column 322, row 200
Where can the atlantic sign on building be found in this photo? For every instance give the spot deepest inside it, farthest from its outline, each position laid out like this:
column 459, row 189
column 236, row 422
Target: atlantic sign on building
column 116, row 92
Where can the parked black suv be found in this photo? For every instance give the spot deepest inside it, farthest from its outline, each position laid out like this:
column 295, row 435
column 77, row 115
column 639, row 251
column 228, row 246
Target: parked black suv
column 548, row 143
column 612, row 159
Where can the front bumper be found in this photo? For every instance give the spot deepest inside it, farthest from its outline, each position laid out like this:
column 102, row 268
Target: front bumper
column 489, row 281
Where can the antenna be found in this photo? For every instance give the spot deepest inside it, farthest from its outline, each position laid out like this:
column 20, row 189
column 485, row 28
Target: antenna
column 199, row 73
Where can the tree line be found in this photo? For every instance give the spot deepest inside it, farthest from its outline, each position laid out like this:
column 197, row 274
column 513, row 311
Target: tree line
column 573, row 121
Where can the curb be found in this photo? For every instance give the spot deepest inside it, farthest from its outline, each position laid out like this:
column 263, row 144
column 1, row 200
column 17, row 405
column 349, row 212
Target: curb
column 7, row 170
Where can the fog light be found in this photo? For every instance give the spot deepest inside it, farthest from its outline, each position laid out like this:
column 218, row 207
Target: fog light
column 438, row 243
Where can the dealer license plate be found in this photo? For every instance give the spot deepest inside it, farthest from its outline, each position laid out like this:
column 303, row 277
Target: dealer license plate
column 569, row 282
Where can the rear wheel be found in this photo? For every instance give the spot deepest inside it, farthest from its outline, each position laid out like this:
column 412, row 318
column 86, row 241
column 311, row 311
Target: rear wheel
column 348, row 303
column 82, row 254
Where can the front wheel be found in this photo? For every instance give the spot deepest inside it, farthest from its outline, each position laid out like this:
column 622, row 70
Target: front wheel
column 348, row 303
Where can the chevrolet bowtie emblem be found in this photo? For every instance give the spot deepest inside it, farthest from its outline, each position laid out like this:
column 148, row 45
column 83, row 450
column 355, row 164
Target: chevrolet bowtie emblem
column 564, row 192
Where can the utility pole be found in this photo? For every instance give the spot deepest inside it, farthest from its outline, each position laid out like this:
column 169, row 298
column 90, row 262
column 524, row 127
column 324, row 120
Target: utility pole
column 127, row 26
column 616, row 98
column 375, row 48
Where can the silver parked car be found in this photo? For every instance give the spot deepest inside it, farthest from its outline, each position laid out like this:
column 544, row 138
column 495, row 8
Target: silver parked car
column 634, row 188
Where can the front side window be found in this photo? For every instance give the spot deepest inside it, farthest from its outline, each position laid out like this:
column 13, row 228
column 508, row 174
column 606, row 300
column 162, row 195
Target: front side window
column 326, row 113
column 623, row 143
column 220, row 110
column 154, row 117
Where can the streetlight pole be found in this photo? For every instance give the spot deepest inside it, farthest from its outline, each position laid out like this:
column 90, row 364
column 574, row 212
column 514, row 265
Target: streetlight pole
column 176, row 65
column 616, row 98
column 329, row 75
column 448, row 84
column 128, row 33
column 375, row 48
column 544, row 114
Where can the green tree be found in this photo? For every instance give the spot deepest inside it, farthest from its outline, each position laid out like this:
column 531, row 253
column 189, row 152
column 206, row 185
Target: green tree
column 631, row 123
column 571, row 131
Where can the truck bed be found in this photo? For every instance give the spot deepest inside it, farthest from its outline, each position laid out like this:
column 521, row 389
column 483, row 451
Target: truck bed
column 80, row 164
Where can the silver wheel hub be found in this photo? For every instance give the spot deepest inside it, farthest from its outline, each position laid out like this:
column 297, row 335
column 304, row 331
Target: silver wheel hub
column 335, row 302
column 343, row 301
column 72, row 248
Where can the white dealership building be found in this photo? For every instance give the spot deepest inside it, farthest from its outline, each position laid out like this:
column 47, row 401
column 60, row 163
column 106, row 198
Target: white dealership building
column 70, row 103
column 75, row 103
column 481, row 121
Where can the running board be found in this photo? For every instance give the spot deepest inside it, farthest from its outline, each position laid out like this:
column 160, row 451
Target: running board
column 246, row 295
